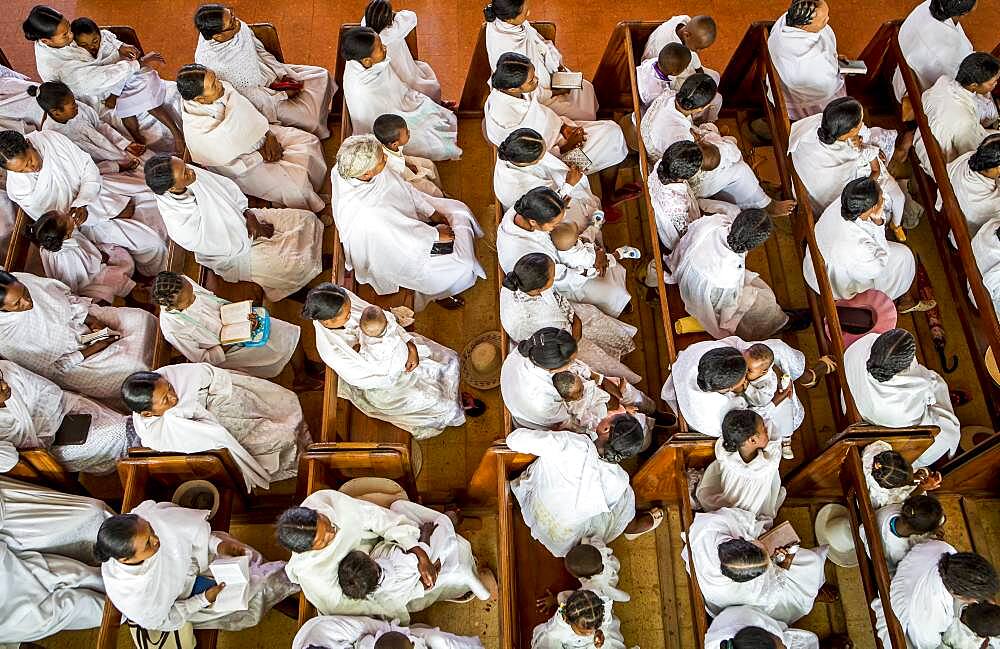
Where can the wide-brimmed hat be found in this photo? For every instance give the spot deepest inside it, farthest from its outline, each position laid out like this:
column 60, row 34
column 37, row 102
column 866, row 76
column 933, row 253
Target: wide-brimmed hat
column 197, row 494
column 833, row 529
column 481, row 361
column 379, row 491
column 991, row 365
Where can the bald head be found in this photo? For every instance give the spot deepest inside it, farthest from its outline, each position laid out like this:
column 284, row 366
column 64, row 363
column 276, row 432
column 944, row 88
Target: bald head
column 698, row 33
column 373, row 322
column 393, row 640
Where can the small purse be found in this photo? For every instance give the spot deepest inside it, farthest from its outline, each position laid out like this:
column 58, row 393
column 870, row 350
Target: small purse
column 182, row 638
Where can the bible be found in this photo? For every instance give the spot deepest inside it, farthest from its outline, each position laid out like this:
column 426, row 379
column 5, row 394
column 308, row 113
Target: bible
column 234, row 572
column 851, row 66
column 567, row 80
column 779, row 536
column 237, row 327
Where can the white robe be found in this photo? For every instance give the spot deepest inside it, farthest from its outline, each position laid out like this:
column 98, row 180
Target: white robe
column 718, row 289
column 604, row 583
column 808, row 67
column 604, row 342
column 753, row 486
column 244, row 62
column 703, row 411
column 651, row 85
column 194, row 332
column 916, row 396
column 45, row 339
column 423, row 175
column 894, row 548
column 957, row 119
column 378, row 90
column 529, row 395
column 89, row 77
column 415, row 74
column 97, row 138
column 359, row 525
column 569, row 493
column 932, row 48
column 785, row 595
column 156, row 593
column 511, row 182
column 260, row 423
column 356, row 632
column 556, row 633
column 675, row 208
column 729, row 622
column 504, row 114
column 785, row 418
column 226, row 137
column 503, row 37
column 80, row 266
column 733, row 181
column 387, row 240
column 986, row 250
column 423, row 402
column 859, row 258
column 881, row 496
column 19, row 111
column 208, row 219
column 587, row 412
column 977, row 195
column 664, row 124
column 825, row 169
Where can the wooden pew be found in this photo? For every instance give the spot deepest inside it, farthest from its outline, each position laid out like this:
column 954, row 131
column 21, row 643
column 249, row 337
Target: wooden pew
column 40, row 467
column 268, row 37
column 154, row 477
column 477, row 80
column 330, row 465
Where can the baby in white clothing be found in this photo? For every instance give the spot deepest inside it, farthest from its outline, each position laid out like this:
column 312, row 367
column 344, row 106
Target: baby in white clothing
column 589, row 402
column 383, row 341
column 578, row 250
column 595, row 565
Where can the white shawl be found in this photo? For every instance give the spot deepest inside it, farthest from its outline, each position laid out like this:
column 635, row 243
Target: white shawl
column 77, row 264
column 664, row 124
column 880, row 496
column 217, row 134
column 703, row 411
column 145, row 593
column 502, row 37
column 986, row 250
column 189, row 427
column 808, row 67
column 242, row 61
column 416, row 74
column 19, row 111
column 529, row 395
column 924, row 607
column 729, row 622
column 932, row 48
column 97, row 138
column 978, row 196
column 513, row 242
column 505, row 113
column 34, row 411
column 511, row 182
column 86, row 76
column 953, row 116
column 753, row 486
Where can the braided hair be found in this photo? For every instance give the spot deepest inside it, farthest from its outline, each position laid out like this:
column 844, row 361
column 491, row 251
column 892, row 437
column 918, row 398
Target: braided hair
column 12, row 145
column 548, row 348
column 737, row 427
column 741, row 560
column 750, row 229
column 159, row 173
column 891, row 470
column 191, row 81
column 681, row 161
column 512, row 71
column 968, row 575
column 51, row 94
column 379, row 14
column 697, row 91
column 859, row 196
column 522, row 146
column 987, row 155
column 624, row 440
column 801, row 12
column 208, row 20
column 166, row 287
column 892, row 353
column 296, row 529
column 584, row 609
column 721, row 368
column 840, row 116
column 48, row 232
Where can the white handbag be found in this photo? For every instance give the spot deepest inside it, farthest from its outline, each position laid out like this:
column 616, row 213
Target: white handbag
column 182, row 638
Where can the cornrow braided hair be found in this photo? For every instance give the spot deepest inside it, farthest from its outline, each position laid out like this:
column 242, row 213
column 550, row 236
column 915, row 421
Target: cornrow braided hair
column 379, row 14
column 891, row 470
column 968, row 575
column 892, row 353
column 585, row 609
column 12, row 145
column 741, row 560
column 750, row 229
column 166, row 288
column 801, row 13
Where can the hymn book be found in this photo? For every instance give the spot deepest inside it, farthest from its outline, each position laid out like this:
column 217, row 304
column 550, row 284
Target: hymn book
column 234, row 572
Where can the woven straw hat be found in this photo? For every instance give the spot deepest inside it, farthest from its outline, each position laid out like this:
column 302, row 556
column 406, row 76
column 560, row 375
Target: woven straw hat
column 481, row 361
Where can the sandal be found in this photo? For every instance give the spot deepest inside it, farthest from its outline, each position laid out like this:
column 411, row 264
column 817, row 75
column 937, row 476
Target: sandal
column 473, row 407
column 451, row 303
column 831, row 366
column 656, row 514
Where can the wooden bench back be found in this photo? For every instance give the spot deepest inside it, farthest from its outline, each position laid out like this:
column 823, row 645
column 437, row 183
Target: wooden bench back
column 477, row 80
column 127, row 35
column 268, row 37
column 20, row 248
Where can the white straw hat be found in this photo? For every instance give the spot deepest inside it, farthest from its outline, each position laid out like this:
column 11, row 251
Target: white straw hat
column 833, row 528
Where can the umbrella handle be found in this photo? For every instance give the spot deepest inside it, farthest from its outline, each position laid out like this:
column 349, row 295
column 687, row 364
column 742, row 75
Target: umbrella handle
column 948, row 368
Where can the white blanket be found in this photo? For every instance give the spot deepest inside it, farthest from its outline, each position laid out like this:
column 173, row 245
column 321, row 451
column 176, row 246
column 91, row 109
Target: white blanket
column 932, row 48
column 808, row 67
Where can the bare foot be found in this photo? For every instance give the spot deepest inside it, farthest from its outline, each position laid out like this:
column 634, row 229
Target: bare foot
column 781, row 208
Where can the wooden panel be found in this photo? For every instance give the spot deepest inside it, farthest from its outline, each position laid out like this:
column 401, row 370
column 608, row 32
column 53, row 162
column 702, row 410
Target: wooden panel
column 19, row 247
column 127, row 35
column 268, row 37
column 343, row 461
column 974, row 472
column 4, row 61
column 477, row 80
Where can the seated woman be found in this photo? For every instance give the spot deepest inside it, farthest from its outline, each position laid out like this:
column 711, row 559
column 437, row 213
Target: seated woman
column 291, row 95
column 986, row 249
column 323, row 530
column 155, row 564
column 526, row 228
column 392, row 28
column 225, row 133
column 372, row 87
column 102, row 70
column 524, row 162
column 890, row 477
column 394, row 135
column 933, row 42
column 746, row 627
column 33, row 408
column 395, row 236
column 423, row 401
column 676, row 44
column 903, row 525
column 705, row 382
column 960, row 112
column 590, row 399
column 803, row 49
column 582, row 620
column 890, row 388
column 745, row 471
column 194, row 407
column 508, row 30
column 677, row 115
column 709, row 266
column 514, row 103
column 190, row 320
column 331, row 631
column 973, row 177
column 42, row 326
column 831, row 149
column 858, row 257
column 562, row 507
column 977, row 626
column 529, row 302
column 391, row 582
column 279, row 249
column 733, row 569
column 18, row 110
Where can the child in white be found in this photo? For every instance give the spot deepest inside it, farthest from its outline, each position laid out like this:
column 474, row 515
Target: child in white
column 578, row 251
column 583, row 620
column 589, row 402
column 595, row 565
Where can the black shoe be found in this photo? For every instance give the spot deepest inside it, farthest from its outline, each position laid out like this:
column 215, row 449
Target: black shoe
column 664, row 419
column 473, row 407
column 798, row 319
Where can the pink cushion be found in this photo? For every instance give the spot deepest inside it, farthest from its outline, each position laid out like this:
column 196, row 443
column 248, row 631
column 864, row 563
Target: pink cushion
column 875, row 302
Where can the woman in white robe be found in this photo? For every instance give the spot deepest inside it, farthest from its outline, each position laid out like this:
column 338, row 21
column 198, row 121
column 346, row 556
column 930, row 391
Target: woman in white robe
column 675, row 114
column 695, row 34
column 372, row 87
column 583, row 620
column 41, row 323
column 703, row 390
column 352, row 631
column 191, row 322
column 529, row 302
column 973, row 177
column 526, row 378
column 18, row 110
column 228, row 46
column 726, row 626
column 858, row 257
column 766, row 374
column 153, row 586
column 194, row 407
column 803, row 48
column 986, row 250
column 323, row 530
column 393, row 27
column 32, row 408
column 784, row 590
column 831, row 149
column 225, row 133
column 279, row 249
column 389, row 229
column 709, row 266
column 890, row 388
column 508, row 30
column 933, row 42
column 88, row 270
column 422, row 402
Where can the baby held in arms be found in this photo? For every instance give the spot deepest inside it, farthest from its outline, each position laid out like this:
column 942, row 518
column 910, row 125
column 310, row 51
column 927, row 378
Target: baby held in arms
column 581, row 252
column 385, row 342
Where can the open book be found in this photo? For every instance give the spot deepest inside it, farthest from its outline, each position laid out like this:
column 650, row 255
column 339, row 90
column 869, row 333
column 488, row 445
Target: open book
column 236, row 327
column 94, row 336
column 567, row 80
column 234, row 572
column 779, row 536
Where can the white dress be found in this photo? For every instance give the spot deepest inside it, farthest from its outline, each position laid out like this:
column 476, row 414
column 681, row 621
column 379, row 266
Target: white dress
column 664, row 124
column 511, row 182
column 894, row 548
column 881, row 496
column 986, row 249
column 753, row 486
column 703, row 411
column 419, row 172
column 661, row 36
column 209, row 220
column 932, row 48
column 387, row 240
column 729, row 622
column 977, row 195
column 733, row 181
column 959, row 119
column 423, row 402
column 97, row 138
column 529, row 395
column 415, row 74
column 569, row 493
column 556, row 633
column 808, row 67
column 859, row 258
column 194, row 332
column 785, row 595
column 916, row 396
column 45, row 339
column 604, row 583
column 79, row 265
column 259, row 422
column 19, row 111
column 356, row 632
column 244, row 62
